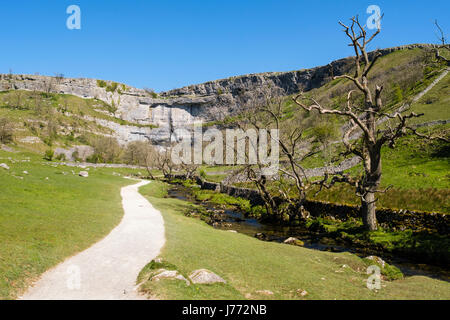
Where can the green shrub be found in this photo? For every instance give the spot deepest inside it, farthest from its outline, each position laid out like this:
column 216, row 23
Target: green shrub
column 48, row 155
column 61, row 157
column 112, row 87
column 101, row 83
column 398, row 94
column 75, row 156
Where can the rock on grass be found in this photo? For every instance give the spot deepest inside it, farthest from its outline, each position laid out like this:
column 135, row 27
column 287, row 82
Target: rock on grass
column 204, row 276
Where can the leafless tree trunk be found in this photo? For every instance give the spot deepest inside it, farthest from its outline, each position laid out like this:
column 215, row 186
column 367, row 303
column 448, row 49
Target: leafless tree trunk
column 364, row 118
column 443, row 44
column 265, row 111
column 6, row 130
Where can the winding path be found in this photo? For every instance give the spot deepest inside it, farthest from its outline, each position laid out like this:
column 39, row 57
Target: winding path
column 109, row 268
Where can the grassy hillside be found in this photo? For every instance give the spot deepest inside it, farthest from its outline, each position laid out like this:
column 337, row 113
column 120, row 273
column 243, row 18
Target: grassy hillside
column 48, row 213
column 55, row 119
column 249, row 265
column 418, row 171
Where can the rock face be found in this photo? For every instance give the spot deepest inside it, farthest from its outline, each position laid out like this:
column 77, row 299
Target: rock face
column 182, row 107
column 74, row 153
column 203, row 276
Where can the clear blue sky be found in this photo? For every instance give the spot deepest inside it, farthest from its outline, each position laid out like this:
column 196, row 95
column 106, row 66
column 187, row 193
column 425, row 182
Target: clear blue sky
column 165, row 44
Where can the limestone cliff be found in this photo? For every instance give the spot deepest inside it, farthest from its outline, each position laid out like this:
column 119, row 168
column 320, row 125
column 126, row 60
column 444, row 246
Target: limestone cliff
column 179, row 107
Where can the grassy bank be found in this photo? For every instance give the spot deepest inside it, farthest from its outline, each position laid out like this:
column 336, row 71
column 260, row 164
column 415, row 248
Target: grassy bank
column 49, row 213
column 249, row 265
column 417, row 170
column 419, row 246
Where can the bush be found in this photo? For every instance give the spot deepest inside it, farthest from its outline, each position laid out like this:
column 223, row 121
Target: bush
column 112, row 87
column 106, row 149
column 101, row 83
column 61, row 157
column 76, row 156
column 48, row 155
column 6, row 131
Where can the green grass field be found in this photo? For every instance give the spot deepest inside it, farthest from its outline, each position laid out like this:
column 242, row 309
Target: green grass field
column 43, row 221
column 418, row 171
column 249, row 265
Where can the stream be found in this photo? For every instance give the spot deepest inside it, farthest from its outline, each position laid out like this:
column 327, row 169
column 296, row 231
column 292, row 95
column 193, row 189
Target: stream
column 232, row 219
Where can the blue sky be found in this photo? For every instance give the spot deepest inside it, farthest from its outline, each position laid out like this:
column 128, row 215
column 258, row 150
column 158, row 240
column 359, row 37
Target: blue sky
column 165, row 44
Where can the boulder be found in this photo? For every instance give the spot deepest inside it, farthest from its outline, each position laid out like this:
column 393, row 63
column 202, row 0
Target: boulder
column 264, row 292
column 84, row 174
column 30, row 140
column 7, row 149
column 302, row 292
column 4, row 166
column 204, row 276
column 294, row 241
column 169, row 274
column 261, row 236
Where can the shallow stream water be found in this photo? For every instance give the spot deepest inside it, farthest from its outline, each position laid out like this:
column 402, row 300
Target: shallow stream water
column 237, row 221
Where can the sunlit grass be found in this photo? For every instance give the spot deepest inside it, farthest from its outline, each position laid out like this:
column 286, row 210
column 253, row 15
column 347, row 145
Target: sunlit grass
column 49, row 214
column 249, row 265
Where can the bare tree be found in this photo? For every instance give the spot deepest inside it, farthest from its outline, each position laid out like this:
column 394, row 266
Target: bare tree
column 363, row 117
column 163, row 161
column 17, row 99
column 263, row 111
column 6, row 130
column 443, row 44
column 106, row 149
column 149, row 158
column 59, row 77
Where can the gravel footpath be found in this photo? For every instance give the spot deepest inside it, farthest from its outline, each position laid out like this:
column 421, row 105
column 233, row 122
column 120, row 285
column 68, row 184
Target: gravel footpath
column 109, row 268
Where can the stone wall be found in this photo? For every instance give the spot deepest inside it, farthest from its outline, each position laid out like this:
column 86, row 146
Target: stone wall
column 387, row 218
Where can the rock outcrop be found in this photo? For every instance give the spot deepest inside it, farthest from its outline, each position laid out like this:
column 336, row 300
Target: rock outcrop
column 204, row 276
